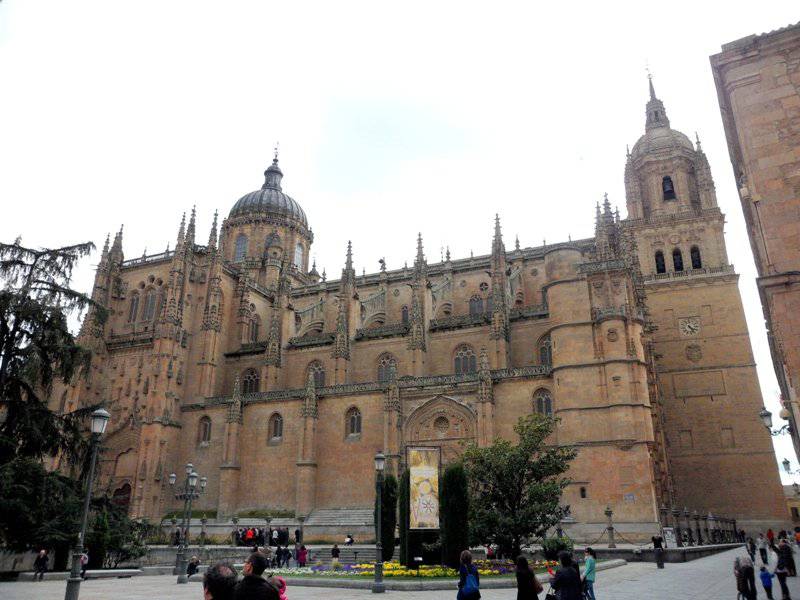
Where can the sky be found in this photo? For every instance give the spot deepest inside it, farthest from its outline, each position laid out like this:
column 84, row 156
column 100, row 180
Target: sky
column 392, row 119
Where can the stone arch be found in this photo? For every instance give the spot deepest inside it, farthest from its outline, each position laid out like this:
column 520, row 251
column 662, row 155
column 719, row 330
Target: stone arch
column 444, row 422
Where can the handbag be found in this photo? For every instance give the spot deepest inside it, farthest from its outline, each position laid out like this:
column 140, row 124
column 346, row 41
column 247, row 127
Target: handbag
column 470, row 589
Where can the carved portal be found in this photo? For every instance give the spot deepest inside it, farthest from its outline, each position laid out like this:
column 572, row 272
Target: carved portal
column 444, row 422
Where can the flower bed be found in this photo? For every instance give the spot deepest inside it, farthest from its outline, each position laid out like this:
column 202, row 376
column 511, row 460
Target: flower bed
column 486, row 568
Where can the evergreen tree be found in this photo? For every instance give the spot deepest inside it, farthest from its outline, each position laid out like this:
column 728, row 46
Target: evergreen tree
column 454, row 507
column 405, row 482
column 515, row 489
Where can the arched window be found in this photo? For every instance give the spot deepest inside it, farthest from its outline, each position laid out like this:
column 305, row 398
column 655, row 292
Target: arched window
column 298, row 255
column 677, row 260
column 134, row 308
column 149, row 311
column 386, row 364
column 255, row 323
column 318, row 370
column 546, row 352
column 275, row 428
column 476, row 305
column 353, row 421
column 404, row 315
column 697, row 263
column 668, row 188
column 583, row 492
column 543, row 402
column 240, row 249
column 661, row 266
column 250, row 381
column 204, row 430
column 465, row 361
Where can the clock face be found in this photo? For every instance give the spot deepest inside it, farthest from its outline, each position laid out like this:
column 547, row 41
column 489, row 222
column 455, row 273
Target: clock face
column 689, row 327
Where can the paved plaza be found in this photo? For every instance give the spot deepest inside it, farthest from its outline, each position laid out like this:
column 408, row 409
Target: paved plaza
column 709, row 578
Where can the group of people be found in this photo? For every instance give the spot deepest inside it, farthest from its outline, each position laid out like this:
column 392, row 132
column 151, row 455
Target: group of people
column 258, row 536
column 41, row 564
column 567, row 582
column 782, row 546
column 220, row 581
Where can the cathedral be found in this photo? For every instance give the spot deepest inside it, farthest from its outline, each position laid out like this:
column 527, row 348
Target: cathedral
column 280, row 385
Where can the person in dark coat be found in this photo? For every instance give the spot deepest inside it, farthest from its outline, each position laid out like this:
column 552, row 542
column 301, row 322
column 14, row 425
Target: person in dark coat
column 567, row 581
column 335, row 551
column 191, row 568
column 786, row 553
column 465, row 569
column 254, row 586
column 219, row 582
column 528, row 587
column 40, row 565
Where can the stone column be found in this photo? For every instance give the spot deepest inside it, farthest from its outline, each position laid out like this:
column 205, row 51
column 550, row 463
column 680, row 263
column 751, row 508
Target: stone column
column 306, row 482
column 610, row 527
column 677, row 524
column 696, row 518
column 229, row 469
column 705, row 528
column 688, row 526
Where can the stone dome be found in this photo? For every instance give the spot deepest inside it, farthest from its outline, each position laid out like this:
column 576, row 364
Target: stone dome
column 270, row 199
column 660, row 139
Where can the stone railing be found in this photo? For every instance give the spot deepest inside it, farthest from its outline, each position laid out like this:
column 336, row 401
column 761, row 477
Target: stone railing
column 601, row 265
column 459, row 321
column 690, row 273
column 133, row 262
column 261, row 289
column 137, row 338
column 251, row 348
column 532, row 311
column 391, row 330
column 318, row 339
column 609, row 312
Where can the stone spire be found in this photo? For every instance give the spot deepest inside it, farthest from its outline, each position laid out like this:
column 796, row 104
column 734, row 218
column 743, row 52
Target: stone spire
column 310, row 406
column 416, row 321
column 212, row 235
column 104, row 253
column 116, row 248
column 236, row 408
column 341, row 344
column 499, row 304
column 273, row 350
column 189, row 241
column 606, row 232
column 656, row 113
column 273, row 175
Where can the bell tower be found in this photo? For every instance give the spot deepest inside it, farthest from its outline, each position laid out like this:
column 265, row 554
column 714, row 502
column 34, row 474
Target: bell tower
column 704, row 361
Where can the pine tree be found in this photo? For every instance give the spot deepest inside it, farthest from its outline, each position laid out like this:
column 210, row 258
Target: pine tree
column 454, row 509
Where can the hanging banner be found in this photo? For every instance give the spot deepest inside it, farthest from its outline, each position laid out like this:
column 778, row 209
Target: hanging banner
column 423, row 464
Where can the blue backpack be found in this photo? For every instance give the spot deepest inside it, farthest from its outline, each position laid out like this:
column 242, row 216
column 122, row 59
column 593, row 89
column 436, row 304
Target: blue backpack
column 470, row 589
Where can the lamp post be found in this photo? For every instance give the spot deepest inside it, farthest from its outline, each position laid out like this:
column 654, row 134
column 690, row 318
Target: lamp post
column 766, row 418
column 377, row 585
column 187, row 493
column 696, row 518
column 676, row 519
column 610, row 527
column 705, row 528
column 99, row 422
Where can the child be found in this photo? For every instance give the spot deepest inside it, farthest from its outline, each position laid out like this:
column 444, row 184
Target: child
column 766, row 581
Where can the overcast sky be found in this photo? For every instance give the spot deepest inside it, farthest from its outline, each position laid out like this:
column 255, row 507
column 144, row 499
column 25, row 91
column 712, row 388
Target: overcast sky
column 392, row 118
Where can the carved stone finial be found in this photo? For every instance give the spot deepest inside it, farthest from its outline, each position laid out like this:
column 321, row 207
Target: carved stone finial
column 310, row 407
column 235, row 408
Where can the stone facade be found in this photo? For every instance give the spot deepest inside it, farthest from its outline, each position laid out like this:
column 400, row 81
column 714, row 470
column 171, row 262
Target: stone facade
column 280, row 385
column 758, row 84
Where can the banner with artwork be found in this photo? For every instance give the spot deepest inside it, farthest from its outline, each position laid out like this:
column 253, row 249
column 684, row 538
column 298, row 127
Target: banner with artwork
column 423, row 464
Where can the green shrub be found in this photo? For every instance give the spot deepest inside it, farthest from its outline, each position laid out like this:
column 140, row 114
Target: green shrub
column 552, row 546
column 263, row 513
column 454, row 512
column 404, row 496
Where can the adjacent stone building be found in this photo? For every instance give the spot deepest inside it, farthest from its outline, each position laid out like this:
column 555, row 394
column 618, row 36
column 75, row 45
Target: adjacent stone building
column 758, row 84
column 280, row 385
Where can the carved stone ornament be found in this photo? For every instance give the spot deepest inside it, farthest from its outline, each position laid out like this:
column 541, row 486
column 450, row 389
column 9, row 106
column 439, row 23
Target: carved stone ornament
column 694, row 352
column 395, row 292
column 674, row 238
column 612, row 335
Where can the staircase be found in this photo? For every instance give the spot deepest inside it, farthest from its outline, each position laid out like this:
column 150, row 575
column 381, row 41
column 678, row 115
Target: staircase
column 341, row 518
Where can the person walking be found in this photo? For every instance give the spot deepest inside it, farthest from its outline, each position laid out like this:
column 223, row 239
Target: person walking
column 770, row 536
column 528, row 587
column 782, row 572
column 785, row 552
column 751, row 549
column 761, row 544
column 567, row 582
column 469, row 582
column 302, row 556
column 253, row 586
column 335, row 552
column 766, row 581
column 745, row 577
column 84, row 563
column 40, row 565
column 589, row 564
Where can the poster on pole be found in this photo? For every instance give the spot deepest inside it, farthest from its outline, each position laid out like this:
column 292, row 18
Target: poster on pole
column 668, row 533
column 423, row 495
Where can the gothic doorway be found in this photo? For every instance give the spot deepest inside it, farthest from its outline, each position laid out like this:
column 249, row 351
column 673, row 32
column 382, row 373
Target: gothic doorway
column 444, row 422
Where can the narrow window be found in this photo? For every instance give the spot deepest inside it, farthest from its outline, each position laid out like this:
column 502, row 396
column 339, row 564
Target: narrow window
column 149, row 305
column 240, row 249
column 661, row 266
column 386, row 365
column 318, row 371
column 697, row 263
column 476, row 305
column 668, row 188
column 254, row 326
column 543, row 402
column 134, row 309
column 204, row 430
column 546, row 352
column 298, row 256
column 353, row 421
column 275, row 428
column 404, row 315
column 465, row 361
column 677, row 260
column 583, row 492
column 250, row 381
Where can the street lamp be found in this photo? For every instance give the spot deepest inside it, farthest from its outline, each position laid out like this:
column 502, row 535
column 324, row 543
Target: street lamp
column 766, row 418
column 99, row 421
column 187, row 492
column 377, row 585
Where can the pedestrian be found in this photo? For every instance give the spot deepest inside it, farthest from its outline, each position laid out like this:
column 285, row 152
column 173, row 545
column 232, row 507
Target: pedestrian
column 219, row 582
column 787, row 554
column 469, row 582
column 349, row 541
column 745, row 577
column 751, row 549
column 274, row 537
column 589, row 564
column 761, row 544
column 191, row 568
column 302, row 556
column 528, row 587
column 766, row 581
column 84, row 563
column 253, row 586
column 782, row 572
column 567, row 582
column 280, row 585
column 40, row 565
column 335, row 552
column 770, row 536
